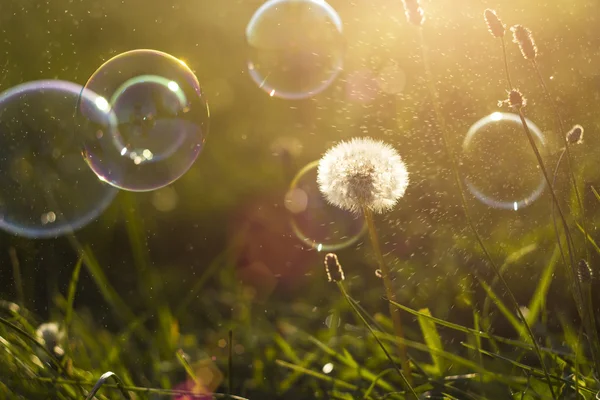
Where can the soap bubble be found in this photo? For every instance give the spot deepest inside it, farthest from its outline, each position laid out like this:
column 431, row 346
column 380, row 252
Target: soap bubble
column 161, row 120
column 501, row 170
column 296, row 47
column 314, row 221
column 46, row 187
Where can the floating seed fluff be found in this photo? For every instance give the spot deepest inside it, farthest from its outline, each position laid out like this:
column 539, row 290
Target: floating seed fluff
column 360, row 173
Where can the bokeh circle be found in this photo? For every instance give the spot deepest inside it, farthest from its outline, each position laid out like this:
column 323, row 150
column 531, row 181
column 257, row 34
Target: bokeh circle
column 316, row 223
column 296, row 47
column 47, row 189
column 161, row 120
column 500, row 167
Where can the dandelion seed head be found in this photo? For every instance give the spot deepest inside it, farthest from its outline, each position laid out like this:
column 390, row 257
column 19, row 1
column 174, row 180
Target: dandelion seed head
column 522, row 36
column 362, row 172
column 494, row 24
column 575, row 135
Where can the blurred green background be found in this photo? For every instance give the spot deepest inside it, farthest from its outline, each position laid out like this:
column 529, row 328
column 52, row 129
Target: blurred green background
column 225, row 221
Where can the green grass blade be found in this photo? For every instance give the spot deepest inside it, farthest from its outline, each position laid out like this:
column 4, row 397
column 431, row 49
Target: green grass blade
column 318, row 375
column 291, row 379
column 71, row 294
column 432, row 339
column 590, row 239
column 287, row 349
column 481, row 334
column 515, row 382
column 539, row 297
column 358, row 313
column 186, row 366
column 350, row 363
column 109, row 294
column 596, row 193
column 101, row 382
column 519, row 327
column 527, row 368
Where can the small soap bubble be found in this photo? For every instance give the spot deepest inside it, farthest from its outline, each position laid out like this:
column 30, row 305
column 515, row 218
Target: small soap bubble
column 500, row 168
column 296, row 47
column 315, row 222
column 47, row 188
column 161, row 120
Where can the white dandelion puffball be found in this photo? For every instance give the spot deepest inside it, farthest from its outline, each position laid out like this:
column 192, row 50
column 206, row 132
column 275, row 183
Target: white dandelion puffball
column 362, row 172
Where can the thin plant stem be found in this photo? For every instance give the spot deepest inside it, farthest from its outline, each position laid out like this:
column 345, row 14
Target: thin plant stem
column 542, row 166
column 582, row 297
column 387, row 354
column 390, row 292
column 230, row 366
column 463, row 200
column 553, row 213
column 587, row 312
column 562, row 133
column 510, row 86
column 16, row 266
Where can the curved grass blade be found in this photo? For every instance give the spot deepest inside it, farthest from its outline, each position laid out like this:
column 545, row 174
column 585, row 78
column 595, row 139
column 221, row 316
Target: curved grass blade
column 387, row 354
column 101, row 382
column 135, row 389
column 519, row 327
column 529, row 369
column 318, row 375
column 432, row 339
column 539, row 297
column 482, row 334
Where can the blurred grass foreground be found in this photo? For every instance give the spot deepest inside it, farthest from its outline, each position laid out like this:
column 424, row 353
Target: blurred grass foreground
column 186, row 211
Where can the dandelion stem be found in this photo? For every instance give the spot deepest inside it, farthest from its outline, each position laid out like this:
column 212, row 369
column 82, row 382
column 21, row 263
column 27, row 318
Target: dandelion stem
column 390, row 292
column 404, row 378
column 463, row 200
column 510, row 86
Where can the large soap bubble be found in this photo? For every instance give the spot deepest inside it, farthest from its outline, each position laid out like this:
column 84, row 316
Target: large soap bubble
column 296, row 47
column 46, row 188
column 500, row 169
column 161, row 120
column 316, row 223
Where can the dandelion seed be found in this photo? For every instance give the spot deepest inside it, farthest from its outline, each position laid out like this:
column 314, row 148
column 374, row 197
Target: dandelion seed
column 494, row 24
column 515, row 99
column 522, row 36
column 584, row 272
column 575, row 135
column 334, row 270
column 362, row 173
column 414, row 12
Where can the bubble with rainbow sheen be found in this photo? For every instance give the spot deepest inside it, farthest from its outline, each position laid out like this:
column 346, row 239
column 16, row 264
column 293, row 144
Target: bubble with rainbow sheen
column 161, row 120
column 499, row 167
column 296, row 47
column 316, row 223
column 47, row 189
